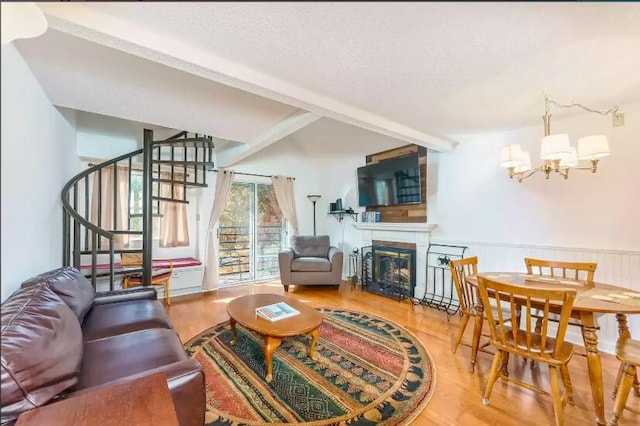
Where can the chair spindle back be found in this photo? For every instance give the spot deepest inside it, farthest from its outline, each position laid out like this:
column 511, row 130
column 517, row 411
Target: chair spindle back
column 575, row 270
column 526, row 342
column 467, row 294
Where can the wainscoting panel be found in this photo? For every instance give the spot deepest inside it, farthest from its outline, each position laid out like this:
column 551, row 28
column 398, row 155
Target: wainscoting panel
column 616, row 267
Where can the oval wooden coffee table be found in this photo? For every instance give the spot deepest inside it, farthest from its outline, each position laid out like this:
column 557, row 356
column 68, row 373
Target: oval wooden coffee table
column 242, row 310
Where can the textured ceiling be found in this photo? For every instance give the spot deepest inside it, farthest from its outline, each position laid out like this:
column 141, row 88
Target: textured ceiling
column 445, row 69
column 89, row 77
column 418, row 70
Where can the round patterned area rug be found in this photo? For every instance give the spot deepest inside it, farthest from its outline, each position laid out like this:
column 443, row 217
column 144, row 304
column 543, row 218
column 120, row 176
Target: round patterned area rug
column 366, row 371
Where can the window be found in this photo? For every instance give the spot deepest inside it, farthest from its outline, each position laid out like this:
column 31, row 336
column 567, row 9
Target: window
column 135, row 206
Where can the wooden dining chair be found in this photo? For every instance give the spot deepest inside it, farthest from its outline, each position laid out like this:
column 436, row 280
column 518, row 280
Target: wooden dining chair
column 159, row 276
column 523, row 341
column 468, row 298
column 628, row 353
column 573, row 270
column 583, row 271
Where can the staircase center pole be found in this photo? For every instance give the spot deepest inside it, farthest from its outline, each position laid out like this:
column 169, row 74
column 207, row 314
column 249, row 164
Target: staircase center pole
column 147, row 207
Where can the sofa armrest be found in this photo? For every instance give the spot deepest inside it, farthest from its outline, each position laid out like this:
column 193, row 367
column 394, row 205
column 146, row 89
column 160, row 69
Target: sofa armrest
column 336, row 257
column 285, row 257
column 116, row 296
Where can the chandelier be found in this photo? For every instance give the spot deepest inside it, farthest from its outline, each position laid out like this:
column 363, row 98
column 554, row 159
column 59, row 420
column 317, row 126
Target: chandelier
column 556, row 152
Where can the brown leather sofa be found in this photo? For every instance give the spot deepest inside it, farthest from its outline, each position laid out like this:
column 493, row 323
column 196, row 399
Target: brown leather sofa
column 61, row 339
column 310, row 260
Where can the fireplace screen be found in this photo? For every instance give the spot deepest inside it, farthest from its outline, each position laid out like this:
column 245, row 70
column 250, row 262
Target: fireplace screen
column 389, row 271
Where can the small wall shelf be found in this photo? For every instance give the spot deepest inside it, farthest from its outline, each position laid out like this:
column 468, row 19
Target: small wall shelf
column 340, row 214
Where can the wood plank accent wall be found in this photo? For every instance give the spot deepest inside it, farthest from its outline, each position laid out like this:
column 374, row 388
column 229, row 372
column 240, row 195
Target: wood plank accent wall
column 408, row 212
column 394, row 244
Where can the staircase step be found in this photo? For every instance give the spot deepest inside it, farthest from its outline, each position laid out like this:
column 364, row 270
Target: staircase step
column 179, row 182
column 200, row 142
column 123, row 232
column 186, row 163
column 170, row 200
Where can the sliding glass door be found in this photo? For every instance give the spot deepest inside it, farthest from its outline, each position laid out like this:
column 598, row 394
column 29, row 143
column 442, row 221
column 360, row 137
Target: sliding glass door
column 252, row 231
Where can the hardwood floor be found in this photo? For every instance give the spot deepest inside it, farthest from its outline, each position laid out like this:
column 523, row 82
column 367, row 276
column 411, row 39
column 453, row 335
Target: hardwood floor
column 457, row 399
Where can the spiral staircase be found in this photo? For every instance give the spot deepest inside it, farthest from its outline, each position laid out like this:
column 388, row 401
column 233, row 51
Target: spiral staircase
column 182, row 160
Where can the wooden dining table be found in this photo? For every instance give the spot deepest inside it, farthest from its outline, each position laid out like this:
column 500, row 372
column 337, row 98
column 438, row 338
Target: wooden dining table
column 592, row 298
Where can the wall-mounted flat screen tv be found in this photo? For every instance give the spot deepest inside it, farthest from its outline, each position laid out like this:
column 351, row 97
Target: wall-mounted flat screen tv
column 390, row 182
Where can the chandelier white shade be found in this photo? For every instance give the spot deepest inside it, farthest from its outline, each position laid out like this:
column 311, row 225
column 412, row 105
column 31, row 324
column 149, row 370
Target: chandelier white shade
column 556, row 152
column 510, row 156
column 593, row 147
column 555, row 147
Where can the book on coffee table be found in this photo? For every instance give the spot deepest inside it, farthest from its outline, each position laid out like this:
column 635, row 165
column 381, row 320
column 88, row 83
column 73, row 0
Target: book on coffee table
column 276, row 311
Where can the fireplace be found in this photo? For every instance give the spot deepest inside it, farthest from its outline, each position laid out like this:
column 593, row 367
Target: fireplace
column 389, row 270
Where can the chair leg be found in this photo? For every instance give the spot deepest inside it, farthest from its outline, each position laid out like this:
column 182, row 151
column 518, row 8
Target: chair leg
column 566, row 379
column 167, row 296
column 636, row 385
column 477, row 332
column 505, row 363
column 463, row 326
column 493, row 376
column 616, row 384
column 555, row 394
column 623, row 393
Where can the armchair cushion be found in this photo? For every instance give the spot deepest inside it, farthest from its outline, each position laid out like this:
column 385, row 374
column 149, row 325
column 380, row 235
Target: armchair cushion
column 310, row 264
column 70, row 285
column 310, row 246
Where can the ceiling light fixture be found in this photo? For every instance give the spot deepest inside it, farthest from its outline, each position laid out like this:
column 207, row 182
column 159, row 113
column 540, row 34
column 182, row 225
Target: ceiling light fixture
column 556, row 152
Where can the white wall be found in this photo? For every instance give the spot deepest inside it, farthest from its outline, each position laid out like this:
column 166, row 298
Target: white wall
column 38, row 157
column 476, row 201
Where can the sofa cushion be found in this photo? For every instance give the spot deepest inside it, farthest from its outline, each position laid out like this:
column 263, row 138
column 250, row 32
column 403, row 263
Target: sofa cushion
column 41, row 350
column 310, row 264
column 113, row 319
column 72, row 287
column 108, row 360
column 310, row 246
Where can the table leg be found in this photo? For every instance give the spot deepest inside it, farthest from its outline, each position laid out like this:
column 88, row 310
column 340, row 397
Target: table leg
column 270, row 345
column 314, row 340
column 623, row 331
column 589, row 329
column 234, row 333
column 477, row 332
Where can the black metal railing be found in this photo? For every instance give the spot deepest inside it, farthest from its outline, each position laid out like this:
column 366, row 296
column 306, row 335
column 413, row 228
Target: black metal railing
column 235, row 250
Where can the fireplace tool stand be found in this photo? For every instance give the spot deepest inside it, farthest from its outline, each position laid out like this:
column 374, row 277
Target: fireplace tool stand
column 439, row 292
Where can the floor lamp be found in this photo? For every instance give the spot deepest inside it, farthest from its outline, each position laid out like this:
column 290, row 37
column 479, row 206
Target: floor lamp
column 313, row 199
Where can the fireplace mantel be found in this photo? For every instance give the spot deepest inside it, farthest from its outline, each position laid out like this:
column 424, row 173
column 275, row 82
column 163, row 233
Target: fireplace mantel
column 390, row 226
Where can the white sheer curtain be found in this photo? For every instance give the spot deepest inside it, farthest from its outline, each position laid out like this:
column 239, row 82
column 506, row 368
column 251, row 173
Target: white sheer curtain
column 174, row 227
column 283, row 188
column 223, row 187
column 105, row 191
